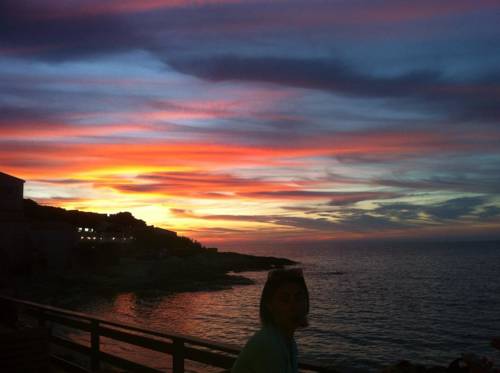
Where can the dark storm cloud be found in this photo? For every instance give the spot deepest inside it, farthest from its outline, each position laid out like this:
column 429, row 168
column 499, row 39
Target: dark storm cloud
column 31, row 28
column 347, row 198
column 397, row 215
column 464, row 100
column 455, row 208
column 340, row 197
column 451, row 209
column 489, row 212
column 323, row 74
column 336, row 198
column 486, row 181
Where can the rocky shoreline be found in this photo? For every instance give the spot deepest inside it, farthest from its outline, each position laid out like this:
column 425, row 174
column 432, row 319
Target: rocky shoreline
column 201, row 272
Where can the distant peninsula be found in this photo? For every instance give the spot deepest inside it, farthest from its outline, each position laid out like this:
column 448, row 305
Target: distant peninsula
column 70, row 251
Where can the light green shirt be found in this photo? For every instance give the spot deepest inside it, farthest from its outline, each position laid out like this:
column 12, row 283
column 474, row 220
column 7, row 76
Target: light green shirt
column 267, row 351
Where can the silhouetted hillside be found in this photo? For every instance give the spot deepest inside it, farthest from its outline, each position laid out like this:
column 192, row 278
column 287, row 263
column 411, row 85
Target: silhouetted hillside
column 142, row 239
column 75, row 252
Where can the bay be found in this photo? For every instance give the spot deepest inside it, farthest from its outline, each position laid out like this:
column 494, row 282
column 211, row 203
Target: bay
column 371, row 305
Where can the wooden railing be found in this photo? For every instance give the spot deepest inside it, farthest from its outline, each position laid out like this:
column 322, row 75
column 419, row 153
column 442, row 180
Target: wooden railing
column 179, row 347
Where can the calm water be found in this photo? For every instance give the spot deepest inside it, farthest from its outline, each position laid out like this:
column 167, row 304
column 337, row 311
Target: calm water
column 370, row 306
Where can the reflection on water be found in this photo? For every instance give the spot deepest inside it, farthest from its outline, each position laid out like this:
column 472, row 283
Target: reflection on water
column 125, row 304
column 221, row 316
column 202, row 314
column 369, row 307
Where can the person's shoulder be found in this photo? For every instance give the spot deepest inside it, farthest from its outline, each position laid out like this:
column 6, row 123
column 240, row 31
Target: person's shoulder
column 261, row 354
column 253, row 353
column 263, row 340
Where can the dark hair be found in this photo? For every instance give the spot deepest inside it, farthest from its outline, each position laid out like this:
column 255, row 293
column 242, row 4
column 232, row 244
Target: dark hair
column 275, row 279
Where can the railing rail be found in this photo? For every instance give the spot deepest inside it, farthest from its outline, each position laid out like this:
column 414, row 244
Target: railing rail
column 179, row 346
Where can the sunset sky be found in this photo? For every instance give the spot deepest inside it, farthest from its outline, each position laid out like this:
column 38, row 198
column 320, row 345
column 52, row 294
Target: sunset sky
column 251, row 122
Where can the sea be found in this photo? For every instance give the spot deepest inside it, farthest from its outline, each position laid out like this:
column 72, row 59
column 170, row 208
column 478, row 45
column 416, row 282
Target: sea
column 371, row 306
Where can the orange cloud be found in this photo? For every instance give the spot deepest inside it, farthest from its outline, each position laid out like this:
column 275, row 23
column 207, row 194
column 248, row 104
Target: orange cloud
column 49, row 159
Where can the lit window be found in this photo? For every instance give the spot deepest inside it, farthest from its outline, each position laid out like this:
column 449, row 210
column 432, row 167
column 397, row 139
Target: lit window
column 86, row 229
column 81, row 238
column 79, row 229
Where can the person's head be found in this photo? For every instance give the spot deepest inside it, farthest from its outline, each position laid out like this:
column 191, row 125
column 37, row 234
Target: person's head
column 285, row 299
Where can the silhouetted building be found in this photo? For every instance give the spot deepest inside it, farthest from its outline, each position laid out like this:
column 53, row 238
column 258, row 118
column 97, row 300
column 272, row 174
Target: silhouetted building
column 13, row 230
column 11, row 197
column 104, row 233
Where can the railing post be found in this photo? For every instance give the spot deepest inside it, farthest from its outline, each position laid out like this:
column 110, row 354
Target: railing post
column 178, row 356
column 94, row 346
